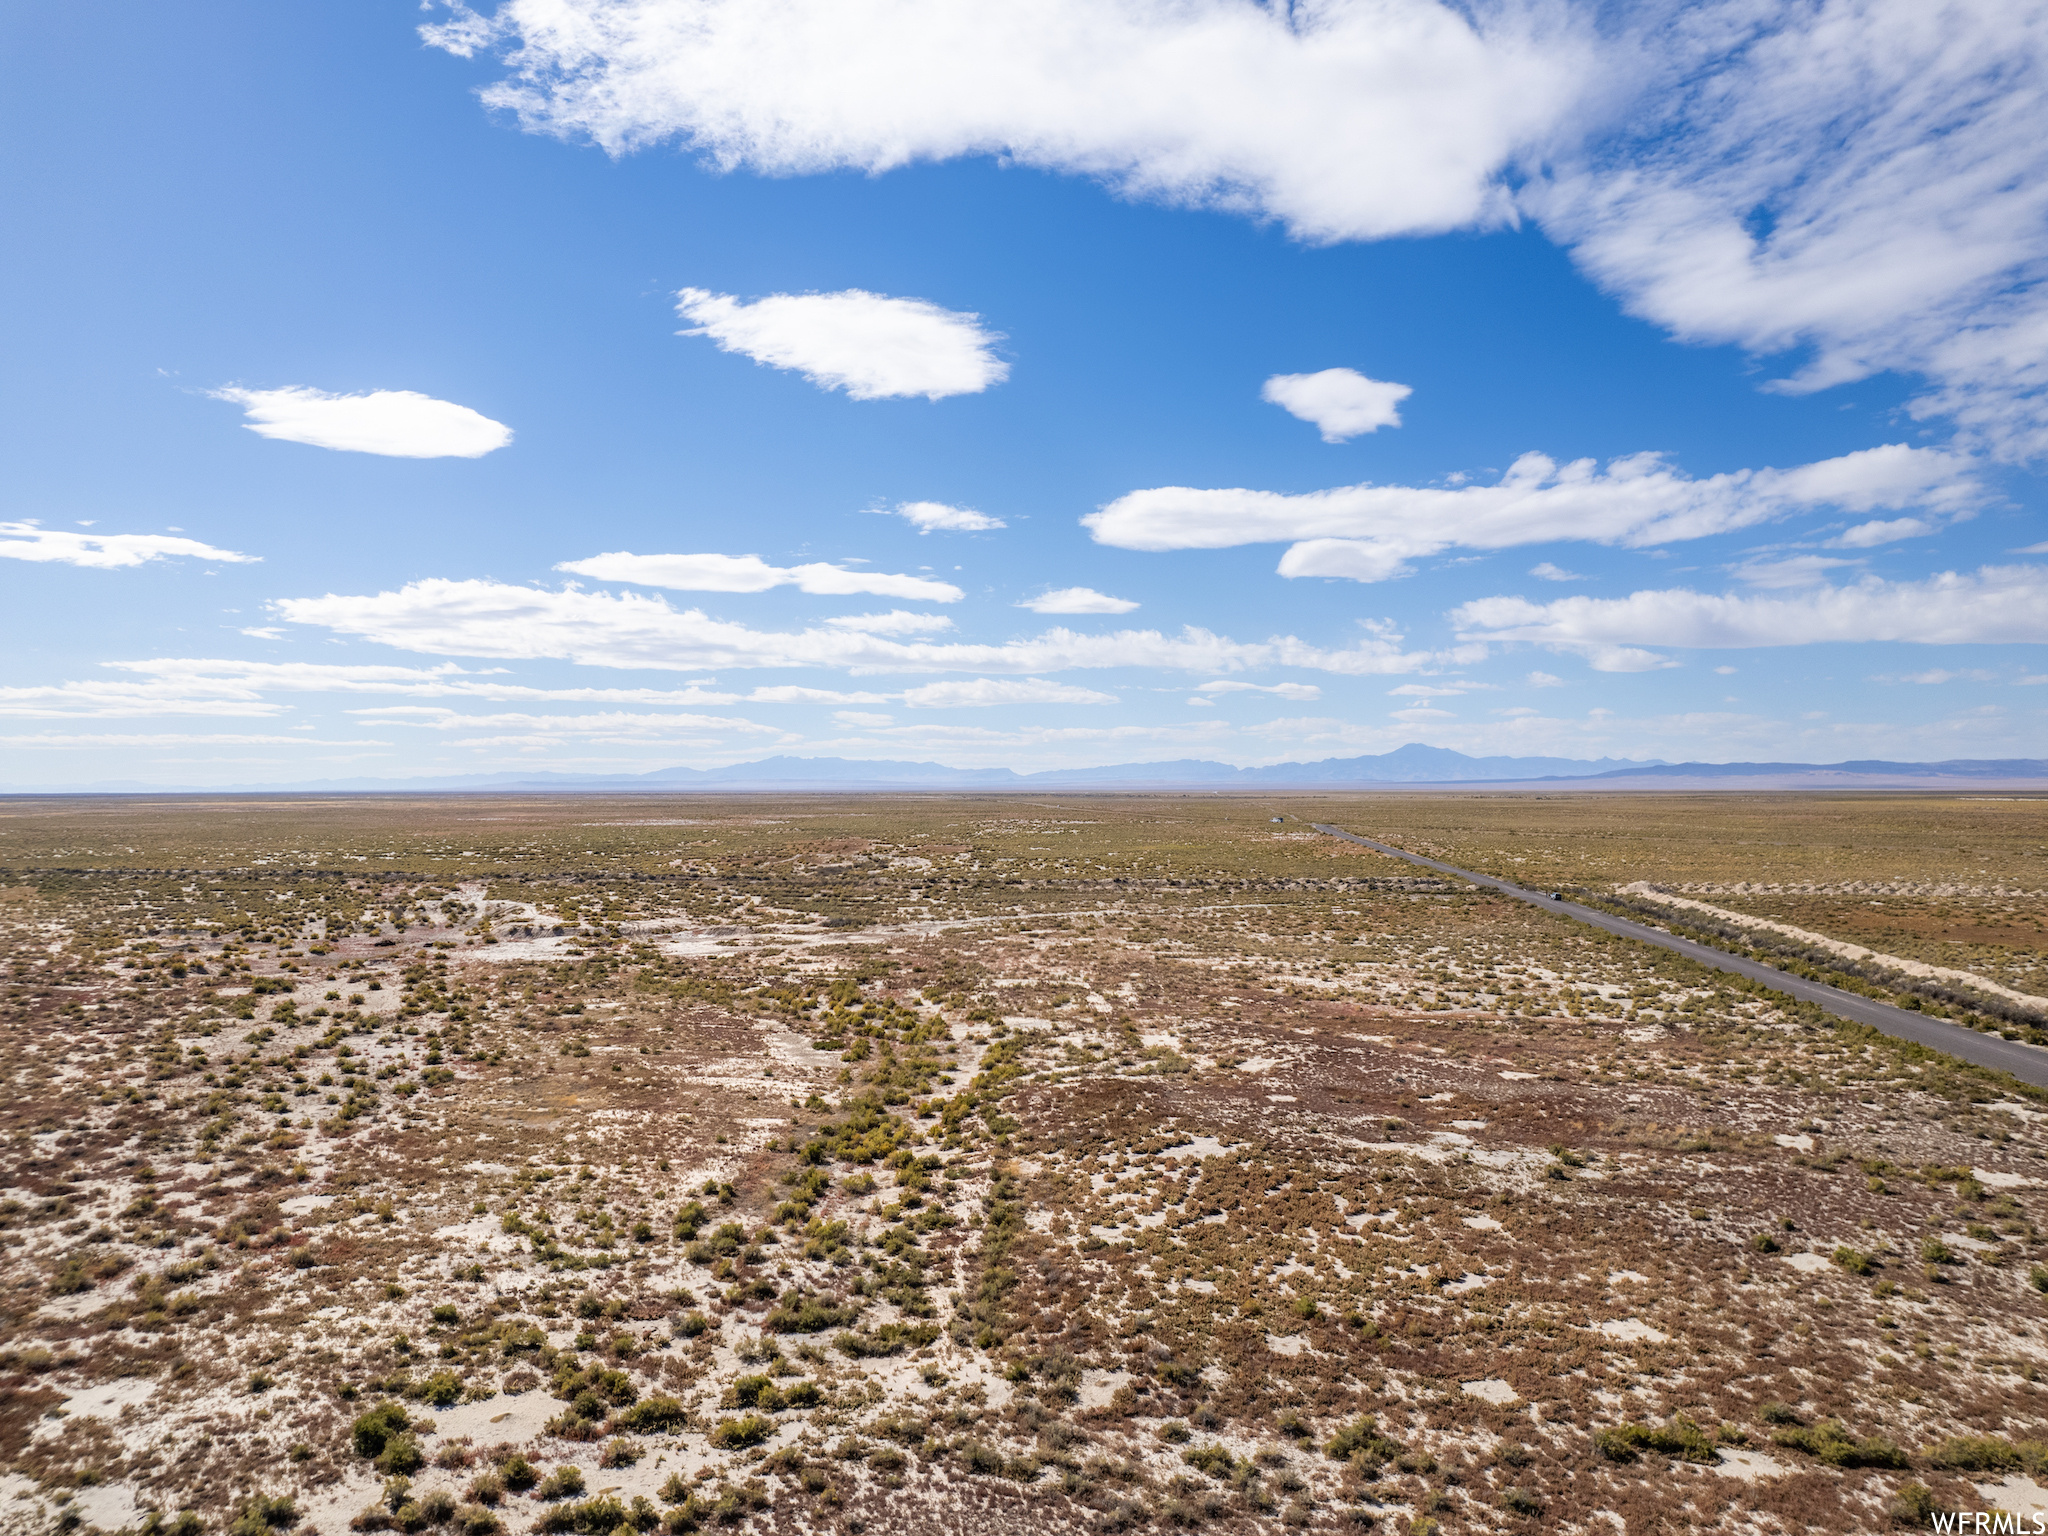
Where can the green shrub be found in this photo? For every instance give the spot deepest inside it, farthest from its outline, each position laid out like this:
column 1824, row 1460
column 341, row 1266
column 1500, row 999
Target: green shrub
column 1913, row 1504
column 1211, row 1459
column 656, row 1415
column 736, row 1434
column 1827, row 1441
column 261, row 1515
column 1362, row 1436
column 1519, row 1501
column 1988, row 1453
column 889, row 1339
column 562, row 1483
column 808, row 1314
column 1854, row 1261
column 600, row 1516
column 401, row 1457
column 1681, row 1439
column 375, row 1427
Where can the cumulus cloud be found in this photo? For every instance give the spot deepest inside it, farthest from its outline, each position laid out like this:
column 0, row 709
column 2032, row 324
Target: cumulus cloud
column 397, row 423
column 1300, row 692
column 936, row 516
column 1549, row 572
column 104, row 551
column 1861, row 182
column 983, row 691
column 1340, row 402
column 629, row 629
column 750, row 573
column 1077, row 600
column 1371, row 532
column 1997, row 605
column 861, row 719
column 872, row 346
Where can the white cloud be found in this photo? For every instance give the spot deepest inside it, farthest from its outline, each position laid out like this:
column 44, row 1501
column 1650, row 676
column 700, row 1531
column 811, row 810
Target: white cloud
column 628, row 629
column 1549, row 680
column 936, row 516
column 872, row 346
column 897, row 621
column 1077, row 600
column 1790, row 571
column 1549, row 572
column 104, row 551
column 2034, row 549
column 1423, row 691
column 750, row 573
column 397, row 423
column 56, row 741
column 1370, row 532
column 1341, row 402
column 1353, row 121
column 860, row 720
column 1421, row 713
column 516, row 729
column 1997, row 605
column 1299, row 692
column 1934, row 676
column 1862, row 181
column 1882, row 531
column 977, row 692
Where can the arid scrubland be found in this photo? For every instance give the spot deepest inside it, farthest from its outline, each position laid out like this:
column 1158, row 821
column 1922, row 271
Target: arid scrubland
column 981, row 1164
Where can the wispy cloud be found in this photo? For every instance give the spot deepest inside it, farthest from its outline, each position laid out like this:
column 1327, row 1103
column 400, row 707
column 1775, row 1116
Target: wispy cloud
column 628, row 629
column 397, row 423
column 750, row 573
column 1994, row 606
column 872, row 346
column 105, row 551
column 1077, row 600
column 1370, row 532
column 937, row 517
column 979, row 692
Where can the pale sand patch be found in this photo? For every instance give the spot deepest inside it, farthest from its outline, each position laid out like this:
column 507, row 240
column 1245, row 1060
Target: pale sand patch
column 1519, row 1077
column 1800, row 1143
column 498, row 1418
column 1808, row 1263
column 1468, row 1283
column 1749, row 1466
column 1483, row 1224
column 1285, row 1343
column 1617, row 1276
column 1992, row 1179
column 1492, row 1390
column 1632, row 1330
column 1200, row 1147
column 1280, row 1098
column 2017, row 1493
column 1258, row 1064
column 1470, row 1125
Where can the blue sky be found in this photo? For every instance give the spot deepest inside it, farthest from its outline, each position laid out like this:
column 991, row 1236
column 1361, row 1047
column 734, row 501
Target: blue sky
column 1600, row 430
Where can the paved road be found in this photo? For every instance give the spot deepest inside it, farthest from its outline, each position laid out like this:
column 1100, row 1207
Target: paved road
column 2026, row 1062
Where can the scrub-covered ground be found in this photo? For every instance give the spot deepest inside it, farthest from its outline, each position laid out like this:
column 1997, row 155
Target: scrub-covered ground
column 969, row 1163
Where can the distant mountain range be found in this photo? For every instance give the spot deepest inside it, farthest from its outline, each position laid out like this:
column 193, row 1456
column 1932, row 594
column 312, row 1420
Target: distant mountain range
column 1411, row 764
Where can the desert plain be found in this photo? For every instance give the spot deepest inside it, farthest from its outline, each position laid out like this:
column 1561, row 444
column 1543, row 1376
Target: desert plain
column 975, row 1163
